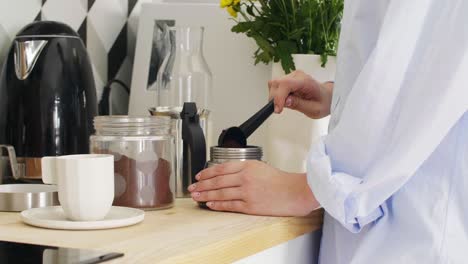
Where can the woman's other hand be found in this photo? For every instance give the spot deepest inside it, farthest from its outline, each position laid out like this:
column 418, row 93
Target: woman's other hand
column 253, row 187
column 301, row 92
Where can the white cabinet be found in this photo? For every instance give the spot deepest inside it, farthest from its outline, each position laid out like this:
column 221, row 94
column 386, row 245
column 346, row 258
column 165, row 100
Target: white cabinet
column 302, row 250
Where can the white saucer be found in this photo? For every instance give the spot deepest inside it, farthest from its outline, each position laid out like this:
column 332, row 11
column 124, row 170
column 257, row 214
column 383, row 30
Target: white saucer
column 53, row 217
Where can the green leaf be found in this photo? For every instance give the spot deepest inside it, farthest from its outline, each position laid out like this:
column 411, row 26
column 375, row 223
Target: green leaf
column 242, row 27
column 263, row 57
column 324, row 59
column 285, row 49
column 249, row 10
column 287, row 46
column 296, row 34
column 287, row 63
column 263, row 43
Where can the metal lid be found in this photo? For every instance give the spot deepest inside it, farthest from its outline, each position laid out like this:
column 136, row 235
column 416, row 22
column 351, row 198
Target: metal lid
column 220, row 154
column 130, row 125
column 20, row 197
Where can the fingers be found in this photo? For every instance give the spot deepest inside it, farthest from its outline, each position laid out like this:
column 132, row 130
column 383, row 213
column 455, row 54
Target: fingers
column 228, row 206
column 300, row 92
column 284, row 89
column 279, row 89
column 311, row 109
column 225, row 194
column 215, row 183
column 270, row 85
column 221, row 169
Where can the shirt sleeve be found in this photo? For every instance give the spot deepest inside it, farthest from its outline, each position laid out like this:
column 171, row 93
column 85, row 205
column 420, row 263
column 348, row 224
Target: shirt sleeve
column 401, row 107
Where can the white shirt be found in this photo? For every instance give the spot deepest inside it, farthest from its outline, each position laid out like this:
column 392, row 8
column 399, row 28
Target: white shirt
column 392, row 174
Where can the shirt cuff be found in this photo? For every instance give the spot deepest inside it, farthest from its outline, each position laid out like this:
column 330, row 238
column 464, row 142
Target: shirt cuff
column 333, row 190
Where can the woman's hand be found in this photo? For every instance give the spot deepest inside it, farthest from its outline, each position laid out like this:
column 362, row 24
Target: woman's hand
column 253, row 187
column 301, row 92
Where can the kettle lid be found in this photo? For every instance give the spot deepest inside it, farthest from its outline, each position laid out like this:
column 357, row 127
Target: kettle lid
column 47, row 28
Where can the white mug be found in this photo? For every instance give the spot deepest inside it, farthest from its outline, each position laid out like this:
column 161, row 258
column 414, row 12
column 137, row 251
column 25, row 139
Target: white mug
column 85, row 184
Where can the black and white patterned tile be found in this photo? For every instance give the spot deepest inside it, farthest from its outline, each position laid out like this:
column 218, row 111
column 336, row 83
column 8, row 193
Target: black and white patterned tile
column 107, row 27
column 71, row 12
column 4, row 42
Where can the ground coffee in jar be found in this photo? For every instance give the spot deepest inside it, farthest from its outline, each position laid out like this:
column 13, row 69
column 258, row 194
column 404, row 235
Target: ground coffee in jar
column 143, row 150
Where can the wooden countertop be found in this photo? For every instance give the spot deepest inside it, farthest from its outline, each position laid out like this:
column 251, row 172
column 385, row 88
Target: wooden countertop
column 183, row 234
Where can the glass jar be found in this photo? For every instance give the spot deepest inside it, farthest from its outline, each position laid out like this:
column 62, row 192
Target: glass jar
column 143, row 149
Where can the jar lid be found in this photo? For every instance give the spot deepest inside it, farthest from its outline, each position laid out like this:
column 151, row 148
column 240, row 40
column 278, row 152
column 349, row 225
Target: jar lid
column 132, row 125
column 218, row 154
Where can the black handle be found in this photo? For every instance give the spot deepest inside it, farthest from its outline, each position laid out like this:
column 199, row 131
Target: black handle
column 104, row 103
column 249, row 126
column 194, row 152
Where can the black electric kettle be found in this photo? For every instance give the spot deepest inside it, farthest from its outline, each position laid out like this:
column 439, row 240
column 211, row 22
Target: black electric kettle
column 47, row 97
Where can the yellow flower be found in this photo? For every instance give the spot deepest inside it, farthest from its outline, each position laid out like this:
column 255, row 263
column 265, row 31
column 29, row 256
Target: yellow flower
column 232, row 11
column 236, row 2
column 225, row 3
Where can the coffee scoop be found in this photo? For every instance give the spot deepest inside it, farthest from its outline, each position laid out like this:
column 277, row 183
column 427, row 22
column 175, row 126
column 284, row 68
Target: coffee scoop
column 236, row 137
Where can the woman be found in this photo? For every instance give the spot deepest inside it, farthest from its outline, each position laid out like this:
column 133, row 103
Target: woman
column 392, row 174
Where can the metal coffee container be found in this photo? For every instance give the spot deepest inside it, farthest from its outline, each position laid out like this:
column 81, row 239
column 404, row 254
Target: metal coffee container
column 219, row 155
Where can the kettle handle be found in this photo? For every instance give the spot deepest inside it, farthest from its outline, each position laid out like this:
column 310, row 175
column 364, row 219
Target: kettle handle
column 15, row 170
column 194, row 145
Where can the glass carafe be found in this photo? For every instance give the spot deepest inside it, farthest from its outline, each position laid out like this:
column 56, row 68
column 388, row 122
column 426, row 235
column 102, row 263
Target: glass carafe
column 184, row 76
